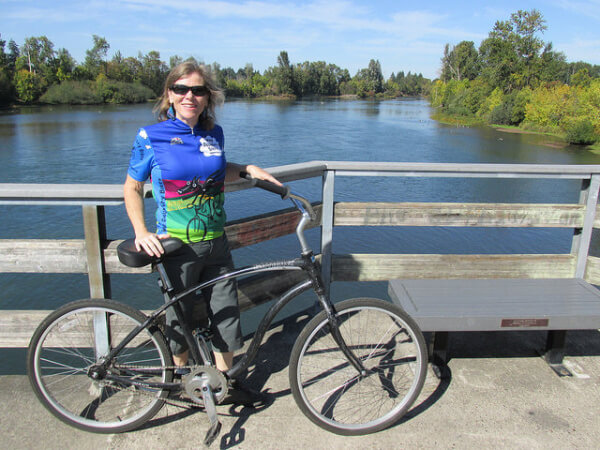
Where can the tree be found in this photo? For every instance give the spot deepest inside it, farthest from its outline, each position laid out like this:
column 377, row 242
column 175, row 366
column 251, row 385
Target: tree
column 375, row 76
column 29, row 85
column 284, row 74
column 460, row 62
column 370, row 79
column 6, row 86
column 581, row 78
column 95, row 58
column 154, row 71
column 63, row 65
column 510, row 56
column 554, row 65
column 36, row 55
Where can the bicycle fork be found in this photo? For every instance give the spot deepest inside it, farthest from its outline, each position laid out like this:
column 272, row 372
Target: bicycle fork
column 332, row 317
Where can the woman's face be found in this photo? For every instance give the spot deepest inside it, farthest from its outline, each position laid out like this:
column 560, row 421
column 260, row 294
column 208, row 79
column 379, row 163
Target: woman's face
column 188, row 106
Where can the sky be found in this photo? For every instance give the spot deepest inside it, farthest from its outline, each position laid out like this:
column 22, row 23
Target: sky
column 402, row 36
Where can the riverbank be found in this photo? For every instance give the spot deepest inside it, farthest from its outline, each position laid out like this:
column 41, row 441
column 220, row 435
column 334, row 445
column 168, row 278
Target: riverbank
column 556, row 140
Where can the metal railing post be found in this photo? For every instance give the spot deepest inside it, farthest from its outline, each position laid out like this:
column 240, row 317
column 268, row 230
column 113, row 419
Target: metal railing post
column 327, row 228
column 585, row 236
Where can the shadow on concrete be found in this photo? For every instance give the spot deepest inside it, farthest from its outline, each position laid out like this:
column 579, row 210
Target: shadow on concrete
column 518, row 344
column 273, row 357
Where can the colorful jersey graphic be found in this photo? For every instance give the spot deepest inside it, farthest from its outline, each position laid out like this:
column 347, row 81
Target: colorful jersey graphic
column 179, row 161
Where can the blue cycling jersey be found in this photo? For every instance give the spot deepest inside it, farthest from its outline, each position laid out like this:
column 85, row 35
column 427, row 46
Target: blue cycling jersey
column 179, row 160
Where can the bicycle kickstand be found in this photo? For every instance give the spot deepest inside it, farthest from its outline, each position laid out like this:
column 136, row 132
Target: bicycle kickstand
column 211, row 411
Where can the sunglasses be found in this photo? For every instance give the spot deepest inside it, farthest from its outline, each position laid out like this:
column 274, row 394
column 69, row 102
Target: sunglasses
column 182, row 89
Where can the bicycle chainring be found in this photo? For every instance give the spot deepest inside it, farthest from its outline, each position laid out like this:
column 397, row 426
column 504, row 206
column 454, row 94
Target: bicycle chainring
column 198, row 377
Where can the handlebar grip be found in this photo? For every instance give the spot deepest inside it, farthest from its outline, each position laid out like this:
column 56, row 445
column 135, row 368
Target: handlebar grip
column 283, row 191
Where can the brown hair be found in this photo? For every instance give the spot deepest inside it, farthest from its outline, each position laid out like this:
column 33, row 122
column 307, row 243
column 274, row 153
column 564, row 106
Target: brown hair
column 216, row 97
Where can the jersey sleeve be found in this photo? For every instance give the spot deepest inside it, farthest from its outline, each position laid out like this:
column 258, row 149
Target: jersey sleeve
column 221, row 137
column 142, row 157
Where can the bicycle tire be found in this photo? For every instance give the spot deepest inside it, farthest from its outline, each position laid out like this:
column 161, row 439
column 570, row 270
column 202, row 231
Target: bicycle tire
column 329, row 390
column 63, row 348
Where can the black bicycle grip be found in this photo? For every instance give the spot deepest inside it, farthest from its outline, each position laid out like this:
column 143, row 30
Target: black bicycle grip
column 283, row 191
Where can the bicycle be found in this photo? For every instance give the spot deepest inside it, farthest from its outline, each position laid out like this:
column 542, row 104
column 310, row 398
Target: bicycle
column 102, row 366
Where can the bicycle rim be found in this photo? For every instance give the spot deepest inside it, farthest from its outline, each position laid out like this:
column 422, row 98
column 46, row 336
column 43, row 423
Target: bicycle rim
column 66, row 345
column 330, row 391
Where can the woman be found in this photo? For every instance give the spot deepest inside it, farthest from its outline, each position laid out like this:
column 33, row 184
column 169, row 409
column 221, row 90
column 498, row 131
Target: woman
column 180, row 153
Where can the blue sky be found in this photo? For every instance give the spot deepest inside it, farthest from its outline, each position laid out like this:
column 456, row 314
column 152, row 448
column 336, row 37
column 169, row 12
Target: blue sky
column 408, row 36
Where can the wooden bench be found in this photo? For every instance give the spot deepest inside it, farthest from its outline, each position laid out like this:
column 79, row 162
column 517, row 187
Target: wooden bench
column 443, row 306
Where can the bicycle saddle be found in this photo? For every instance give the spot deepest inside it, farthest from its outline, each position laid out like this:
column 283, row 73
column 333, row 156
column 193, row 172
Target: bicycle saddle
column 129, row 255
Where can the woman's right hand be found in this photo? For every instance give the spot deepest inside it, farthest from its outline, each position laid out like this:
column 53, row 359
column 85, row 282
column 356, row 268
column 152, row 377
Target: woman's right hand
column 150, row 243
column 134, row 204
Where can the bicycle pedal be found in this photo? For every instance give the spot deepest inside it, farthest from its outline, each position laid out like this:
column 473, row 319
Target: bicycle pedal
column 212, row 433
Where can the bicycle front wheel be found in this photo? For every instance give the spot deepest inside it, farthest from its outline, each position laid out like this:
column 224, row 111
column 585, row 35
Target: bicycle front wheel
column 329, row 389
column 72, row 339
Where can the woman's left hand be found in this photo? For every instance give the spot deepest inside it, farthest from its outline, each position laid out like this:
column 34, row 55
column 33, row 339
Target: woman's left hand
column 261, row 174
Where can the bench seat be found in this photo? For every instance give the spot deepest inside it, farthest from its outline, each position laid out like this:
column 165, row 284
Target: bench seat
column 556, row 305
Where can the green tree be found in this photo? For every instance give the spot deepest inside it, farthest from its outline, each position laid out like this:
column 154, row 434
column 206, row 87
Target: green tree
column 554, row 66
column 510, row 56
column 29, row 85
column 6, row 85
column 63, row 66
column 370, row 79
column 37, row 56
column 374, row 76
column 581, row 78
column 95, row 58
column 154, row 71
column 460, row 62
column 285, row 76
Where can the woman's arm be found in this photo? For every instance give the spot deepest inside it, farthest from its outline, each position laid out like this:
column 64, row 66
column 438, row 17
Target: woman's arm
column 233, row 173
column 133, row 192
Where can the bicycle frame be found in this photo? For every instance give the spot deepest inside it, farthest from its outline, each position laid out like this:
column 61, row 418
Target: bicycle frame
column 305, row 263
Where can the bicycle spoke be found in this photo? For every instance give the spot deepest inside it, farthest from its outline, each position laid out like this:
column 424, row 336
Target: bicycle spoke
column 65, row 350
column 326, row 385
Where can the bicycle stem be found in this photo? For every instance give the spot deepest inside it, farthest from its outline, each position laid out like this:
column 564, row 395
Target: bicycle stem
column 308, row 215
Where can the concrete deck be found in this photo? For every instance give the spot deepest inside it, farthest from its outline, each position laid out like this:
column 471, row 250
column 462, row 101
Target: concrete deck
column 501, row 394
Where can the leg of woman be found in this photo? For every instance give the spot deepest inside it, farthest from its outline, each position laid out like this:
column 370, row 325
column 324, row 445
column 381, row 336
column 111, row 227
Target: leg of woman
column 184, row 268
column 223, row 361
column 224, row 314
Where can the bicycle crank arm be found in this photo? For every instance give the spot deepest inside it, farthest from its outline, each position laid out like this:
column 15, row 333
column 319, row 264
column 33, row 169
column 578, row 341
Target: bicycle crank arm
column 211, row 411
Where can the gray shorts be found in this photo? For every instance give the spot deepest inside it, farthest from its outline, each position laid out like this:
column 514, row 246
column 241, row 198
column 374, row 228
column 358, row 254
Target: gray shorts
column 216, row 305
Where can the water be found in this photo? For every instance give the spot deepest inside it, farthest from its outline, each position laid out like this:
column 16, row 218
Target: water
column 92, row 145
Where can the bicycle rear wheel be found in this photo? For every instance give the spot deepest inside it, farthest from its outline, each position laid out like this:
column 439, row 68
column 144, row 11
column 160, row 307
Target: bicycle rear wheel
column 331, row 392
column 75, row 337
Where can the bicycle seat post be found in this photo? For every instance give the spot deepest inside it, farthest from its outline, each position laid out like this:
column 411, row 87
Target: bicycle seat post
column 166, row 282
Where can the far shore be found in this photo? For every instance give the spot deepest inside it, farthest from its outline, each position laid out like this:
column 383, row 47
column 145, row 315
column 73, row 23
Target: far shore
column 555, row 140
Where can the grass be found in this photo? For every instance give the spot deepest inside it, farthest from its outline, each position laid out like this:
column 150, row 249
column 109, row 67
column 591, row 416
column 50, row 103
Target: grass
column 465, row 121
column 454, row 120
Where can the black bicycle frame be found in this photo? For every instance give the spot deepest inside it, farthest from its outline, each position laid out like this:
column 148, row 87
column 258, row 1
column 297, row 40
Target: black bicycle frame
column 306, row 264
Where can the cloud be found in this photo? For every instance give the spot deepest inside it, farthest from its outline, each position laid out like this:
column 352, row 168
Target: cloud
column 587, row 8
column 587, row 50
column 338, row 15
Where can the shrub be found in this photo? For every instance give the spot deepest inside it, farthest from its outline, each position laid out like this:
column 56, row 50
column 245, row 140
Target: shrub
column 93, row 93
column 502, row 114
column 72, row 93
column 580, row 132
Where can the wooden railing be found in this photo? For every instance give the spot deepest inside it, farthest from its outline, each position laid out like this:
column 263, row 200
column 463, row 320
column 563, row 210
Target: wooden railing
column 96, row 256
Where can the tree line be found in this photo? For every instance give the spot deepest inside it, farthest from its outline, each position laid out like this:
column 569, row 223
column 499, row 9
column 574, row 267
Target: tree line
column 36, row 72
column 515, row 78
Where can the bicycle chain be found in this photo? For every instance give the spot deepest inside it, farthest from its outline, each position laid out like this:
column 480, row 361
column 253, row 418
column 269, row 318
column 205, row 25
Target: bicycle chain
column 181, row 402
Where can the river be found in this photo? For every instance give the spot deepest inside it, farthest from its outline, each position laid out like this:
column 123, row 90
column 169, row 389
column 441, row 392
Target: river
column 91, row 144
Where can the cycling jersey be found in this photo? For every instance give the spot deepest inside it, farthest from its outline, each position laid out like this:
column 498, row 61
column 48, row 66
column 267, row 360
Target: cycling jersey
column 179, row 160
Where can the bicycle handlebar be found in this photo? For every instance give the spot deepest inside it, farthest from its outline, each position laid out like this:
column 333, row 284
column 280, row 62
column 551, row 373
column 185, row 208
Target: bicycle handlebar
column 283, row 191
